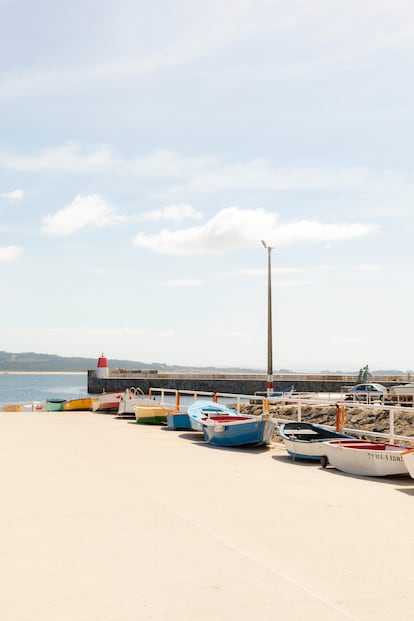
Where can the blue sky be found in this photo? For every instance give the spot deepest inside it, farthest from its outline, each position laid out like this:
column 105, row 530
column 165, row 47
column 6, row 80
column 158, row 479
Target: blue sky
column 147, row 148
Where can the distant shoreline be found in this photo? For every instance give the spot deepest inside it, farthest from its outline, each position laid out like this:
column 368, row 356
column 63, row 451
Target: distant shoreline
column 43, row 372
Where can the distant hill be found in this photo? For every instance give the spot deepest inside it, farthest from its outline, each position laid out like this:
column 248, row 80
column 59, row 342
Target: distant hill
column 30, row 361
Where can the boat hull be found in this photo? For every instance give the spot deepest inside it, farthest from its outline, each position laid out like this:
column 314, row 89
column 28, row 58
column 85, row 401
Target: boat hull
column 307, row 441
column 127, row 406
column 130, row 398
column 108, row 402
column 33, row 406
column 150, row 414
column 204, row 408
column 369, row 459
column 12, row 407
column 408, row 457
column 238, row 430
column 178, row 420
column 76, row 405
column 403, row 389
column 54, row 405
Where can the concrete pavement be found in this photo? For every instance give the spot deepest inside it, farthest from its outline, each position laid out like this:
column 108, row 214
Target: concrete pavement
column 105, row 520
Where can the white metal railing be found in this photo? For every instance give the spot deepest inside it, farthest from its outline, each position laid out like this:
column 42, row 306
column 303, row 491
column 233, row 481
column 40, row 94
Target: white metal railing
column 295, row 400
column 392, row 409
column 163, row 392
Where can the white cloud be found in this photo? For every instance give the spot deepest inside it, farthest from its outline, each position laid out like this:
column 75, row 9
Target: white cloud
column 83, row 211
column 172, row 212
column 71, row 157
column 265, row 175
column 14, row 195
column 235, row 228
column 10, row 253
column 78, row 158
column 387, row 191
column 310, row 231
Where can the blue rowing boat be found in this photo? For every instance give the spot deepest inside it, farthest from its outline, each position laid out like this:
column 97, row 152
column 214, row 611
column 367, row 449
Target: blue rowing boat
column 223, row 426
column 202, row 408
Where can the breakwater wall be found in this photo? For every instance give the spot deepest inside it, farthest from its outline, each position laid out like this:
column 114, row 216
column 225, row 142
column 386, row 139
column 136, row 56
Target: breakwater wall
column 235, row 383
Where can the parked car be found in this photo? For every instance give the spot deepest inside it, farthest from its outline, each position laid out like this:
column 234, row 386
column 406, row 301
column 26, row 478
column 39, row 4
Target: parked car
column 367, row 392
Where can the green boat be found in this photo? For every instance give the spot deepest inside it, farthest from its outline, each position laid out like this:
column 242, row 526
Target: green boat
column 54, row 405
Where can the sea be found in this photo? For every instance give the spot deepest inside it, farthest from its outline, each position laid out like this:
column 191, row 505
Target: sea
column 27, row 387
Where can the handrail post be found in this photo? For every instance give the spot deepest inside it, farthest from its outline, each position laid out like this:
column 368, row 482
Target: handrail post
column 391, row 413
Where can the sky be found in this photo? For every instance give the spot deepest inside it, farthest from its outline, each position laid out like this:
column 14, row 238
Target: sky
column 146, row 149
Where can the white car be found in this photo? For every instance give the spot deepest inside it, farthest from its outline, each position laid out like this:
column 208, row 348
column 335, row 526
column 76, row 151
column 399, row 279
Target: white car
column 367, row 392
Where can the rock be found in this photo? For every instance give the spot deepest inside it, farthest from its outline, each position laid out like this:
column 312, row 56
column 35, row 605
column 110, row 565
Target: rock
column 362, row 418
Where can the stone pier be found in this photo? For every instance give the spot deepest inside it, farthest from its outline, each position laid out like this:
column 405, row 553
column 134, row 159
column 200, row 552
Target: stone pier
column 234, row 383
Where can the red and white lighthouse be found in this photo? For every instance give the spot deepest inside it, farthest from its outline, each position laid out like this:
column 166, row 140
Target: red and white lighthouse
column 102, row 370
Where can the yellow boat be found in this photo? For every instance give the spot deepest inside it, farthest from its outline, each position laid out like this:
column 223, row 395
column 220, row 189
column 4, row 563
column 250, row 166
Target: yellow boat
column 150, row 414
column 12, row 407
column 33, row 406
column 82, row 403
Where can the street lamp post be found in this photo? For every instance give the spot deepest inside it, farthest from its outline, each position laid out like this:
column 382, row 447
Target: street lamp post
column 270, row 387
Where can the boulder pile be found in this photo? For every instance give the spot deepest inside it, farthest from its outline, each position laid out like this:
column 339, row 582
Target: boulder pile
column 368, row 419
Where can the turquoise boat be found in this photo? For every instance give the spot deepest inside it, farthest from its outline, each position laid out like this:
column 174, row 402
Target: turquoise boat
column 54, row 405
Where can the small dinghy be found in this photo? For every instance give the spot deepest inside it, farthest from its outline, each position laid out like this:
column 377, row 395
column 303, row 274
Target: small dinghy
column 238, row 430
column 365, row 458
column 408, row 457
column 151, row 414
column 307, row 441
column 223, row 426
column 133, row 397
column 107, row 402
column 79, row 404
column 202, row 408
column 55, row 405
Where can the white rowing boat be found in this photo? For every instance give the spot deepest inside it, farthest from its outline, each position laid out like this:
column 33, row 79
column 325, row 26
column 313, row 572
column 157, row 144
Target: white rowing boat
column 365, row 458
